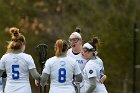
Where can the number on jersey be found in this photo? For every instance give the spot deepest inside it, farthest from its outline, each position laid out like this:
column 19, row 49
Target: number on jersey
column 62, row 75
column 15, row 72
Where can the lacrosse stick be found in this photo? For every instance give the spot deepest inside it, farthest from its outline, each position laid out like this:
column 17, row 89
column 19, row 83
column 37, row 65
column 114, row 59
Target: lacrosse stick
column 78, row 87
column 42, row 50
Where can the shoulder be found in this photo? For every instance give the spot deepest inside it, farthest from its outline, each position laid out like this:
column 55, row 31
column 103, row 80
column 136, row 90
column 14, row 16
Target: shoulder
column 51, row 60
column 71, row 59
column 5, row 56
column 92, row 63
column 69, row 51
column 100, row 62
column 25, row 55
column 99, row 59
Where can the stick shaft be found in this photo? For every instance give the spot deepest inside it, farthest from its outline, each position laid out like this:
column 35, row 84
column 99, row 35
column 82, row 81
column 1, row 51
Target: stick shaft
column 78, row 87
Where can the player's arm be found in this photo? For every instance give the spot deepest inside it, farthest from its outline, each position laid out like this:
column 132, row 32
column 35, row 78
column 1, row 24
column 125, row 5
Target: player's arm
column 4, row 75
column 92, row 86
column 43, row 79
column 77, row 73
column 35, row 74
column 103, row 78
column 4, row 82
column 1, row 71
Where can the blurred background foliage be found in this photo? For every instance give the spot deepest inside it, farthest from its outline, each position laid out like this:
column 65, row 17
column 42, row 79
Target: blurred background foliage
column 45, row 21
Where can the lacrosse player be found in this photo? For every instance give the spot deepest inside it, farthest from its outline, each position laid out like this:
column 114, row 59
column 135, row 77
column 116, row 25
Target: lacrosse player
column 75, row 41
column 17, row 65
column 61, row 69
column 93, row 71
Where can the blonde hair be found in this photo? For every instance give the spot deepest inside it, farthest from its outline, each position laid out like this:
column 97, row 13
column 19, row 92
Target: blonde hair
column 60, row 47
column 17, row 39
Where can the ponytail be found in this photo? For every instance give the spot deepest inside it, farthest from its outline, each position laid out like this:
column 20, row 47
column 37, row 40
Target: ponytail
column 94, row 42
column 77, row 29
column 17, row 39
column 60, row 47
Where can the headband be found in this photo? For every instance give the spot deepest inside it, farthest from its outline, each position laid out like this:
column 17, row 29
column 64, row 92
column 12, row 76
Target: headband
column 76, row 34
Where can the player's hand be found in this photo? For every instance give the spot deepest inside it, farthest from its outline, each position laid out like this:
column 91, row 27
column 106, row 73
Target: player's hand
column 103, row 78
column 36, row 83
column 47, row 83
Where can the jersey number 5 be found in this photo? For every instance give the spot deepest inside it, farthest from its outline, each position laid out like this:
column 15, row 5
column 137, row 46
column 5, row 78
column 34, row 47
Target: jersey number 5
column 15, row 72
column 62, row 75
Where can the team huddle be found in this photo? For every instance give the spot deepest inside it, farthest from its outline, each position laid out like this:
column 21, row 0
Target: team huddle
column 74, row 70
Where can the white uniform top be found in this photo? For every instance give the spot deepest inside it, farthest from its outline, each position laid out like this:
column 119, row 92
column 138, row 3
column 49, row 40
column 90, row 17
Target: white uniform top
column 17, row 68
column 93, row 69
column 1, row 87
column 81, row 62
column 100, row 63
column 61, row 71
column 79, row 59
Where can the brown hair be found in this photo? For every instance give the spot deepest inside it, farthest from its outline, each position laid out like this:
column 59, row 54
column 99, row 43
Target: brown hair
column 60, row 47
column 95, row 42
column 78, row 29
column 17, row 39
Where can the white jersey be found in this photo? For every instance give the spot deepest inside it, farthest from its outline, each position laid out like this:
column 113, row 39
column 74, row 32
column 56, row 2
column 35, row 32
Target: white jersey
column 79, row 59
column 100, row 63
column 17, row 68
column 81, row 62
column 61, row 71
column 93, row 69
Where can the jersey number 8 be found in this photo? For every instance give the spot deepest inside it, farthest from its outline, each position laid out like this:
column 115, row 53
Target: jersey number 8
column 62, row 75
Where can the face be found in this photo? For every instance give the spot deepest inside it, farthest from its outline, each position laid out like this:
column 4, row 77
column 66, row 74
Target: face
column 86, row 54
column 75, row 41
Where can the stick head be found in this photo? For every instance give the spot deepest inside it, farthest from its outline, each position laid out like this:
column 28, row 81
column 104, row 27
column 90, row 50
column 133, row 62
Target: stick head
column 42, row 50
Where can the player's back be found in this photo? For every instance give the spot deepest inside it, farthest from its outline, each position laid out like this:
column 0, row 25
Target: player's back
column 100, row 62
column 17, row 66
column 62, row 70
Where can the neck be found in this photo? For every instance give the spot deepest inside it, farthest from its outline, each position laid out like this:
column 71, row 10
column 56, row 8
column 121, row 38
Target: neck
column 91, row 58
column 77, row 50
column 14, row 51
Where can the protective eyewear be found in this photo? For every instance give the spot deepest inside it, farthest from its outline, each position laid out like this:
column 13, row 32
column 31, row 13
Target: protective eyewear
column 75, row 40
